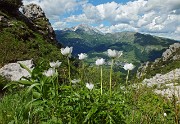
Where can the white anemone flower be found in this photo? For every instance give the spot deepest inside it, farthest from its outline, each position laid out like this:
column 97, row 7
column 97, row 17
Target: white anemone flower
column 67, row 51
column 165, row 114
column 55, row 64
column 100, row 62
column 90, row 86
column 114, row 53
column 128, row 66
column 82, row 56
column 49, row 72
column 74, row 81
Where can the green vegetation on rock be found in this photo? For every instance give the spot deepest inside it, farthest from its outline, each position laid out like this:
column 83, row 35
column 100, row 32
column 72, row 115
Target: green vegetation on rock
column 19, row 41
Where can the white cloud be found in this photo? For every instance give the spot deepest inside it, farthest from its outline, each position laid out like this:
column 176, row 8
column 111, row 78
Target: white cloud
column 79, row 18
column 92, row 12
column 177, row 30
column 161, row 17
column 116, row 28
column 146, row 19
column 130, row 12
column 165, row 5
column 114, row 12
column 56, row 7
column 59, row 25
column 152, row 16
column 168, row 26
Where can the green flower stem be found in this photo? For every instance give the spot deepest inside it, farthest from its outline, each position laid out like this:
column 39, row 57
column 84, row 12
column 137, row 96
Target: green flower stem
column 101, row 81
column 82, row 73
column 110, row 79
column 127, row 77
column 56, row 89
column 56, row 92
column 69, row 71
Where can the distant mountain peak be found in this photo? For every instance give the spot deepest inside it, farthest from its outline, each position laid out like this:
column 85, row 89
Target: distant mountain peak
column 84, row 28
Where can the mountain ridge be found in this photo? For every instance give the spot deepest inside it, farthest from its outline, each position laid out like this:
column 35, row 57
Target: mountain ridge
column 137, row 47
column 83, row 28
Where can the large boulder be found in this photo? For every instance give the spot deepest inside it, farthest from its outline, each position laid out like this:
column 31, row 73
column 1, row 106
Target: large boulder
column 33, row 11
column 14, row 72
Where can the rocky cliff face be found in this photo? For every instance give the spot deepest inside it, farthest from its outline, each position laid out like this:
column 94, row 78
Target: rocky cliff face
column 35, row 14
column 33, row 11
column 170, row 60
column 173, row 53
column 164, row 73
column 26, row 34
column 35, row 19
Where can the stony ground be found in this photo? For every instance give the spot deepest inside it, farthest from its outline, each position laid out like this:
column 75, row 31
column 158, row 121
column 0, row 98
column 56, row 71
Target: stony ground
column 167, row 84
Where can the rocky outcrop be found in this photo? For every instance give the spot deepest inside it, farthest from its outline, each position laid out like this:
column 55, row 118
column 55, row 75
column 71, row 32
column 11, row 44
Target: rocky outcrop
column 2, row 19
column 167, row 84
column 169, row 52
column 165, row 72
column 33, row 11
column 169, row 92
column 160, row 79
column 35, row 14
column 14, row 72
column 172, row 54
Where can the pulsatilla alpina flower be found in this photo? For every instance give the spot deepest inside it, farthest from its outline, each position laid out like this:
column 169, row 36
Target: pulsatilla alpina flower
column 82, row 56
column 90, row 86
column 100, row 62
column 49, row 72
column 67, row 51
column 114, row 53
column 55, row 64
column 128, row 66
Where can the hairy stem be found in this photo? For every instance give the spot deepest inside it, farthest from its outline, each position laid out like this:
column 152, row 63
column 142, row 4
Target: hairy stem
column 101, row 81
column 110, row 79
column 69, row 71
column 127, row 78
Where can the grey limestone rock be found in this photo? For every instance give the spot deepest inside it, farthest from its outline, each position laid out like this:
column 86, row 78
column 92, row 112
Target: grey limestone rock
column 172, row 48
column 159, row 79
column 13, row 71
column 33, row 11
column 2, row 19
column 171, row 54
column 165, row 80
column 37, row 16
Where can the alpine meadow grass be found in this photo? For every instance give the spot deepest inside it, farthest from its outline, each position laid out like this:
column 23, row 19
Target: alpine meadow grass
column 92, row 97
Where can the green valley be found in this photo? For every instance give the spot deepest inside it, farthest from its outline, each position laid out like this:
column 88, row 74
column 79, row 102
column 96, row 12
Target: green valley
column 137, row 47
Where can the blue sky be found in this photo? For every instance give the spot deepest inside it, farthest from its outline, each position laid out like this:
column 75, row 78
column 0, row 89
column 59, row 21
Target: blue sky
column 156, row 17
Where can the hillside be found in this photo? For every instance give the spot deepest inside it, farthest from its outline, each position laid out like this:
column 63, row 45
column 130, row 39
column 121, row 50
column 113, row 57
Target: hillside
column 37, row 89
column 137, row 47
column 169, row 60
column 164, row 73
column 26, row 35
